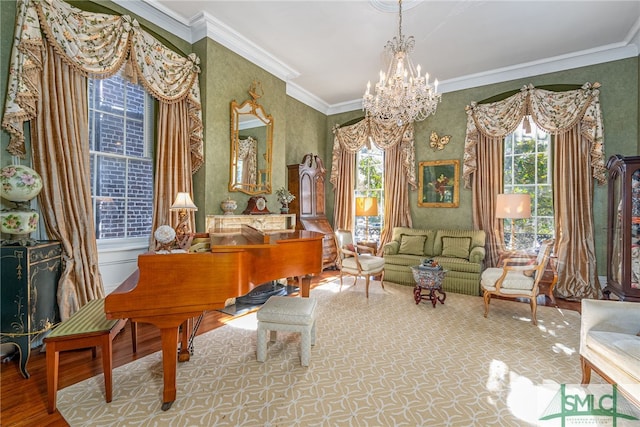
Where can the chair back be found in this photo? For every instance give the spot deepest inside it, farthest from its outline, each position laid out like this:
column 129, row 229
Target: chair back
column 343, row 238
column 544, row 254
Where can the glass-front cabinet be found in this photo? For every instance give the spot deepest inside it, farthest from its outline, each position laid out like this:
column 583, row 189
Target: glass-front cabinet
column 623, row 234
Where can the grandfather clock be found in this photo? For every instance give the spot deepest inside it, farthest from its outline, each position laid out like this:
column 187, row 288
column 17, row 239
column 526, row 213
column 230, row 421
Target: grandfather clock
column 306, row 182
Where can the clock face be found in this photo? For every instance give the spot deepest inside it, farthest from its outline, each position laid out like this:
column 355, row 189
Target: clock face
column 261, row 203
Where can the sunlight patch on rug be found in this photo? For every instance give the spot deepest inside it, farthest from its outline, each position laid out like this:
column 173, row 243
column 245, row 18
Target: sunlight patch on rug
column 377, row 361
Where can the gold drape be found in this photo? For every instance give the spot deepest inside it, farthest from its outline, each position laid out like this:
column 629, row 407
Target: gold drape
column 573, row 216
column 575, row 119
column 173, row 163
column 60, row 146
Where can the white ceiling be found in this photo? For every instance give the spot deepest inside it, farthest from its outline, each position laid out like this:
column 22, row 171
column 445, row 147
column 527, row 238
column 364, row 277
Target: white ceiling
column 327, row 50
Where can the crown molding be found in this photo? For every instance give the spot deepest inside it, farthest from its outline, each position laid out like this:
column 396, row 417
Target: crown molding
column 205, row 25
column 160, row 15
column 307, row 98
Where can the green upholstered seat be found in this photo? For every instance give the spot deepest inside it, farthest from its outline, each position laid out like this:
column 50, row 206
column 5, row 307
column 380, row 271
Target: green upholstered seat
column 89, row 319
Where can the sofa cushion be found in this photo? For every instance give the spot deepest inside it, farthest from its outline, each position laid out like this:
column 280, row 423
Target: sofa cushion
column 412, row 245
column 623, row 350
column 456, row 247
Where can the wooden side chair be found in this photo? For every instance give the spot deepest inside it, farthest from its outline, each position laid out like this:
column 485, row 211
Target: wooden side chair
column 516, row 281
column 86, row 328
column 357, row 260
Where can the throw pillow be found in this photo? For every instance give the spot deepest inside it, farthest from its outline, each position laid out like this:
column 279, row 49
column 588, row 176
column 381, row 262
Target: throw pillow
column 412, row 245
column 350, row 247
column 456, row 247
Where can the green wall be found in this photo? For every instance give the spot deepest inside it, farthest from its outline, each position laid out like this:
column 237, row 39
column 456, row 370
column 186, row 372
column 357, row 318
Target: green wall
column 619, row 102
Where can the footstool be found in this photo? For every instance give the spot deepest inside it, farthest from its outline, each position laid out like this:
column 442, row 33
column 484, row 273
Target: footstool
column 291, row 314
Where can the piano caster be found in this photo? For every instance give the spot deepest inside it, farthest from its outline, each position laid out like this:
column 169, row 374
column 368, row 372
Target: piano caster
column 166, row 405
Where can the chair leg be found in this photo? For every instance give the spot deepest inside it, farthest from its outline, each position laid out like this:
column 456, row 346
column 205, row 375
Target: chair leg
column 53, row 358
column 382, row 279
column 487, row 300
column 586, row 371
column 340, row 281
column 534, row 309
column 262, row 344
column 367, row 279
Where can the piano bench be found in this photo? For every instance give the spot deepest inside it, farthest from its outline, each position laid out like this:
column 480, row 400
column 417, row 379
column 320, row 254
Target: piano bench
column 86, row 328
column 291, row 314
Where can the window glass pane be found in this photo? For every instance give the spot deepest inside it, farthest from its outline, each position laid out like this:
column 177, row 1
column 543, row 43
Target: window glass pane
column 109, row 133
column 524, row 169
column 135, row 139
column 110, row 94
column 110, row 217
column 135, row 101
column 139, row 214
column 111, row 180
column 140, row 174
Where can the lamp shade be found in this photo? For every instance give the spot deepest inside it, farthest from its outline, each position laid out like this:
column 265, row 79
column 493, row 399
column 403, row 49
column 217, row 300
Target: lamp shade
column 513, row 206
column 366, row 206
column 183, row 201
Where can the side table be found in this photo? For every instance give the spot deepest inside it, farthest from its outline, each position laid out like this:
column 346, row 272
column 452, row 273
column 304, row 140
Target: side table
column 428, row 284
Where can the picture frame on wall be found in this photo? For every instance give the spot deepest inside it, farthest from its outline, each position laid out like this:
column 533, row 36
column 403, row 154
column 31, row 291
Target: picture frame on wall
column 439, row 184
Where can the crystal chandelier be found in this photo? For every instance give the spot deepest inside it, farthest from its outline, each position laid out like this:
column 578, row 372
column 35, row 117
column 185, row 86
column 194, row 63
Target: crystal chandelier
column 402, row 95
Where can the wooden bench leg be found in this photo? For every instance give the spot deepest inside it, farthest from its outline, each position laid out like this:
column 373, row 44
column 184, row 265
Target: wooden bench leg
column 53, row 358
column 107, row 365
column 134, row 336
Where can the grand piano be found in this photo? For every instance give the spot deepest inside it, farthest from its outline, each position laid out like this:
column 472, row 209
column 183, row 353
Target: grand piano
column 168, row 290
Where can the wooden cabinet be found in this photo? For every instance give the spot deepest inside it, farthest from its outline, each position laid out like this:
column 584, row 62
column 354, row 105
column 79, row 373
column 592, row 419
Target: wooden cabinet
column 623, row 228
column 30, row 277
column 306, row 182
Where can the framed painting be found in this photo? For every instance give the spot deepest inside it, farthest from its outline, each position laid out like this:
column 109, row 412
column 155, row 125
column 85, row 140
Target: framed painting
column 439, row 184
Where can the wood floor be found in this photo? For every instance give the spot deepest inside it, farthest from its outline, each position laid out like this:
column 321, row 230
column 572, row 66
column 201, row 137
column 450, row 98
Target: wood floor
column 24, row 401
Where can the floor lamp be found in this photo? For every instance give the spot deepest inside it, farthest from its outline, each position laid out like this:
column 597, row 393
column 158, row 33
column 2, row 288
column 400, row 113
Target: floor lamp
column 366, row 207
column 513, row 206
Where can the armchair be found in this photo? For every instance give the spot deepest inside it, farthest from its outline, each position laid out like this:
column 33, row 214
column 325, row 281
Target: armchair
column 357, row 260
column 610, row 344
column 516, row 281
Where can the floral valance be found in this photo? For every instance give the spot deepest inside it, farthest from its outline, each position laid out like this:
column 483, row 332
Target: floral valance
column 352, row 138
column 555, row 112
column 96, row 45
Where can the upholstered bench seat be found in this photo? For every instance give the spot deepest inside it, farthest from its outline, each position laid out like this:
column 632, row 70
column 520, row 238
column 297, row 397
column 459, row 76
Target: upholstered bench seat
column 290, row 314
column 86, row 328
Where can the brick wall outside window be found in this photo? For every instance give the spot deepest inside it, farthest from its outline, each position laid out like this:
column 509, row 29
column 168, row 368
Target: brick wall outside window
column 121, row 158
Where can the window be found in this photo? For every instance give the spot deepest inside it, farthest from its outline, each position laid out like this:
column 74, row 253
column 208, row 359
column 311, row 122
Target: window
column 370, row 183
column 527, row 165
column 120, row 137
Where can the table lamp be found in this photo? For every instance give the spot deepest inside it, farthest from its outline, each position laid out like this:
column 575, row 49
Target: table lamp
column 366, row 207
column 183, row 204
column 513, row 206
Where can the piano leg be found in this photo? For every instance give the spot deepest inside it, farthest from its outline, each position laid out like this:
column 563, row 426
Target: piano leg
column 184, row 355
column 304, row 282
column 169, row 338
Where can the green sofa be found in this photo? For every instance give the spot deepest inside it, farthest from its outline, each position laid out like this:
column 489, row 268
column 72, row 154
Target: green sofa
column 460, row 252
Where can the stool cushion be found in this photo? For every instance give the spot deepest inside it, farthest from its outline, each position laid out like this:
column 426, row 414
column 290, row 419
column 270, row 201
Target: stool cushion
column 288, row 310
column 89, row 319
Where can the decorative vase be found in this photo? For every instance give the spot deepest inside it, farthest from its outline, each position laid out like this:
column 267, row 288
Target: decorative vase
column 18, row 222
column 284, row 209
column 19, row 183
column 228, row 206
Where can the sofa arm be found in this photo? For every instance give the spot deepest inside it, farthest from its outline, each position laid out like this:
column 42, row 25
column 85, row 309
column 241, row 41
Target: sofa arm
column 391, row 248
column 477, row 254
column 604, row 315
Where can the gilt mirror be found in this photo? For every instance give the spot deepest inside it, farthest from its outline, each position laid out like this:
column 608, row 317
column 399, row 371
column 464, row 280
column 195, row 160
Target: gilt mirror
column 251, row 142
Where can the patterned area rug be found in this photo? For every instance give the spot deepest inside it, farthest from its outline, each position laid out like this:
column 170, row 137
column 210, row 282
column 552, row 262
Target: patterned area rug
column 380, row 362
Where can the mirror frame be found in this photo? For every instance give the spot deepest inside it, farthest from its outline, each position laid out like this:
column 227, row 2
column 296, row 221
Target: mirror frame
column 250, row 107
